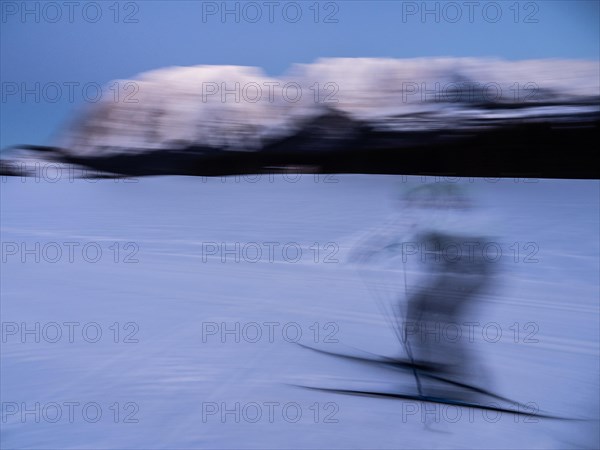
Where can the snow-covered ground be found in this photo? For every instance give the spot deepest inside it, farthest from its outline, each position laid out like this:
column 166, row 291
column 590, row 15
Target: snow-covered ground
column 160, row 289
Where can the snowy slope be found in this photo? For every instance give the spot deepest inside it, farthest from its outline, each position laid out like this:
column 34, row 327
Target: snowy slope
column 173, row 291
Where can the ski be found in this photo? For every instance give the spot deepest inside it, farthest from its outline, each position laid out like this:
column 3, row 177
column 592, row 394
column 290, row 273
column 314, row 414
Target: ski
column 527, row 411
column 369, row 358
column 402, row 364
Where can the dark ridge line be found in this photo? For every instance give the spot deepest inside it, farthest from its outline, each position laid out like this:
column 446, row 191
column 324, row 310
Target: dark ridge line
column 541, row 148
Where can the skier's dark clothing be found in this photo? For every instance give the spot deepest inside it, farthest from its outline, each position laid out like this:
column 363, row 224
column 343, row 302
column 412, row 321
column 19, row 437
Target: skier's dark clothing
column 435, row 311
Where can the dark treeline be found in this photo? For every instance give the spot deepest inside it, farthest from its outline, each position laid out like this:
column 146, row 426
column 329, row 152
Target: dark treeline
column 556, row 148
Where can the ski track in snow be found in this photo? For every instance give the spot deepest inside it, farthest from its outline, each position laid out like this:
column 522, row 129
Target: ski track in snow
column 170, row 292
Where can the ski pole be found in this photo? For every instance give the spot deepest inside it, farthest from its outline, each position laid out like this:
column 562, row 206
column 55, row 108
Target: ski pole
column 405, row 337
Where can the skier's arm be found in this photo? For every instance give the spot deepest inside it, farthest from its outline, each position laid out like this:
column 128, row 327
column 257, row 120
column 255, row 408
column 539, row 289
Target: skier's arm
column 385, row 240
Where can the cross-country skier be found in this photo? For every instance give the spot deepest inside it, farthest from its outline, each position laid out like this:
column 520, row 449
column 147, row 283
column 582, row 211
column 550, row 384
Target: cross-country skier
column 440, row 240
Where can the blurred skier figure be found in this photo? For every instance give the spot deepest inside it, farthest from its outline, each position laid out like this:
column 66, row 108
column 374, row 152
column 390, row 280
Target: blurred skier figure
column 439, row 238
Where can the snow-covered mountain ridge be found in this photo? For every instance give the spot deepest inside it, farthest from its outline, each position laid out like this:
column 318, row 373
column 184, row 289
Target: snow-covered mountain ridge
column 243, row 109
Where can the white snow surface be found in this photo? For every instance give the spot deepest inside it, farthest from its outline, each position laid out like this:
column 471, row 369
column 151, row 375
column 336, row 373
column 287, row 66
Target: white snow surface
column 166, row 379
column 233, row 107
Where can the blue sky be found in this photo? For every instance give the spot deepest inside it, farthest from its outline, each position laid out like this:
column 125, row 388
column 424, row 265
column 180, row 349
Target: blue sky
column 127, row 38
